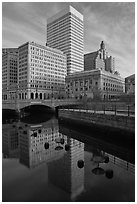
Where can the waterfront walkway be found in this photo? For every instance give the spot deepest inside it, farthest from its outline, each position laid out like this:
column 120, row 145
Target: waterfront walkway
column 106, row 112
column 123, row 120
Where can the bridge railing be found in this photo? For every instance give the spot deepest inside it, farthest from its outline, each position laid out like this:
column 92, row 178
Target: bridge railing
column 39, row 100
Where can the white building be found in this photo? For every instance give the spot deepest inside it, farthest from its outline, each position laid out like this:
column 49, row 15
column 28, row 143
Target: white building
column 65, row 32
column 41, row 71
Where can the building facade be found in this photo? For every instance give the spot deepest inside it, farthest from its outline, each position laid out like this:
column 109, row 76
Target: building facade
column 41, row 73
column 94, row 84
column 9, row 73
column 65, row 32
column 10, row 50
column 99, row 60
column 130, row 84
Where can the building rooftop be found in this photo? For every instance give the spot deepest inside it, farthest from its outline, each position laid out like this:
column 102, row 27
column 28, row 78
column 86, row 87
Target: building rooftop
column 43, row 47
column 10, row 50
column 91, row 55
column 63, row 12
column 94, row 71
column 131, row 76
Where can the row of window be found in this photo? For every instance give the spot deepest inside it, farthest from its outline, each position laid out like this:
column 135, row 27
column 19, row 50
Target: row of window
column 66, row 19
column 46, row 53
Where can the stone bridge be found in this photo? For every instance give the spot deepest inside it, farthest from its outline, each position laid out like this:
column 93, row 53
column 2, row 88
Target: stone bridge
column 20, row 104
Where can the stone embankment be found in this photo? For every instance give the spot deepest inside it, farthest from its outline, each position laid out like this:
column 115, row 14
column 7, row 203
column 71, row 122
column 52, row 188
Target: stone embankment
column 108, row 119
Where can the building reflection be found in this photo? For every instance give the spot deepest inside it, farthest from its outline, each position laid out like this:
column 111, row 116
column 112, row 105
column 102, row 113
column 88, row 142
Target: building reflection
column 10, row 141
column 102, row 152
column 33, row 143
column 65, row 172
column 62, row 149
column 44, row 143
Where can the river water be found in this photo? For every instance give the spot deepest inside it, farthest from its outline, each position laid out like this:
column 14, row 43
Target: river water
column 46, row 161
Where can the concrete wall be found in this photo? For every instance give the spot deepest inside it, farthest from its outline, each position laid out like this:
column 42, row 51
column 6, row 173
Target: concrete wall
column 115, row 121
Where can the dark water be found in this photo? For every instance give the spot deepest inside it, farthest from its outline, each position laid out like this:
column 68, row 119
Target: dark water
column 46, row 161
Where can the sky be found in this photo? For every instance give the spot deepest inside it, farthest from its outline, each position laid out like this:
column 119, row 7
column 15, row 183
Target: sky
column 112, row 22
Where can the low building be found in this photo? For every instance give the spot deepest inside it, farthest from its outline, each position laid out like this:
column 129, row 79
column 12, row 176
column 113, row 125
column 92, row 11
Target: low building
column 130, row 84
column 94, row 84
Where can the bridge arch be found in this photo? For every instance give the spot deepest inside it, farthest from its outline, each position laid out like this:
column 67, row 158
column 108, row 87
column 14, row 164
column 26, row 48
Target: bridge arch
column 37, row 108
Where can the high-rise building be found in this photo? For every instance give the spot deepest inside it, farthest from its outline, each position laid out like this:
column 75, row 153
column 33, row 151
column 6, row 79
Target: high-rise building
column 33, row 71
column 41, row 71
column 99, row 60
column 65, row 32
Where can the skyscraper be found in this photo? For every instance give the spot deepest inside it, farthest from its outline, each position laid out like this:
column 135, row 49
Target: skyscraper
column 65, row 32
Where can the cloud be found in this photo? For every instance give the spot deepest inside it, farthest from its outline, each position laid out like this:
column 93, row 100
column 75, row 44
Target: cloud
column 113, row 22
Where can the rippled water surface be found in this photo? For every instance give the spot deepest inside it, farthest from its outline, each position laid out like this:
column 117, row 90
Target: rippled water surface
column 46, row 161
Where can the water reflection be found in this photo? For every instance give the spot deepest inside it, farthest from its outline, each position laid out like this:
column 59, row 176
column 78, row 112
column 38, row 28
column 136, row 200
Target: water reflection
column 37, row 143
column 10, row 141
column 65, row 172
column 75, row 162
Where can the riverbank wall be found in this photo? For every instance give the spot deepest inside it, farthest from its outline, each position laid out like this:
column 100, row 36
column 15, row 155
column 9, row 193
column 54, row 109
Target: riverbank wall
column 120, row 122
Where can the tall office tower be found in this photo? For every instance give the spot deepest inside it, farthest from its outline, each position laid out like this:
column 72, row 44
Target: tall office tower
column 65, row 32
column 41, row 71
column 9, row 73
